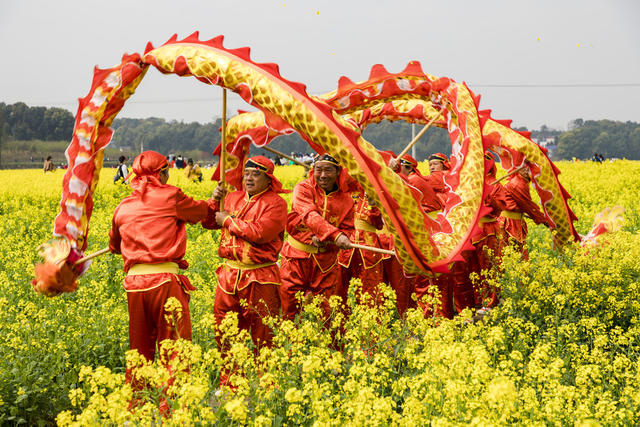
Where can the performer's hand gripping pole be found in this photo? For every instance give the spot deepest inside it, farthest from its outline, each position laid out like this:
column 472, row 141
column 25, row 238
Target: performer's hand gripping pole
column 223, row 147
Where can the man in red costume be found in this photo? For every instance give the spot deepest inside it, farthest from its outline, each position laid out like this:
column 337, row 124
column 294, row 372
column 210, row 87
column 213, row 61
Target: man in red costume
column 431, row 203
column 438, row 167
column 253, row 221
column 517, row 204
column 405, row 285
column 456, row 288
column 362, row 264
column 487, row 240
column 148, row 229
column 322, row 214
column 433, row 198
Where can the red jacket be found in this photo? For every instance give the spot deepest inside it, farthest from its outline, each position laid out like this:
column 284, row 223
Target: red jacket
column 313, row 212
column 252, row 234
column 151, row 230
column 367, row 220
column 436, row 181
column 496, row 200
column 430, row 200
column 518, row 202
column 254, row 230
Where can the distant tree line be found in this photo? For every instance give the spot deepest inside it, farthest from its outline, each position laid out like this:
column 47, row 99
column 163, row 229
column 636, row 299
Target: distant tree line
column 19, row 122
column 165, row 137
column 392, row 136
column 606, row 137
column 24, row 123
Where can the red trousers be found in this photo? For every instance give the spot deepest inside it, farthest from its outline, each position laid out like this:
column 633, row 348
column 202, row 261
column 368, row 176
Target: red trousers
column 444, row 306
column 403, row 286
column 147, row 323
column 461, row 285
column 262, row 300
column 304, row 275
column 488, row 254
column 371, row 277
column 519, row 245
column 456, row 289
column 150, row 324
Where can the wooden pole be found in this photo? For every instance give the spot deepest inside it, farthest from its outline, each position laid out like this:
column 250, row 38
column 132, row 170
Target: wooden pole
column 91, row 256
column 281, row 154
column 223, row 148
column 419, row 135
column 372, row 249
column 508, row 175
column 413, row 135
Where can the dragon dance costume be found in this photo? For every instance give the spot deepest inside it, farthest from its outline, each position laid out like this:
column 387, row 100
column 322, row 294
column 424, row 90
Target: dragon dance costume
column 455, row 287
column 148, row 229
column 358, row 263
column 250, row 241
column 517, row 204
column 488, row 240
column 307, row 268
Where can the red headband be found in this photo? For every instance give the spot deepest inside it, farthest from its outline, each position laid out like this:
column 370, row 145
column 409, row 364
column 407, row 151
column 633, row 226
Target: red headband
column 265, row 165
column 149, row 163
column 442, row 158
column 409, row 161
column 147, row 167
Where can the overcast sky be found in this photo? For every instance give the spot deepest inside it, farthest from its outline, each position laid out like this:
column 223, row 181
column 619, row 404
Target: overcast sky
column 536, row 62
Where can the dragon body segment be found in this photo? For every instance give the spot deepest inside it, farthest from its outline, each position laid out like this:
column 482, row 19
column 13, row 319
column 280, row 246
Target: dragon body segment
column 514, row 149
column 330, row 123
column 386, row 94
column 91, row 134
column 262, row 86
column 414, row 96
column 429, row 97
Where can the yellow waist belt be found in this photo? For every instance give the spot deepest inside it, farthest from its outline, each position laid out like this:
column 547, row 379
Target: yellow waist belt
column 364, row 226
column 164, row 267
column 244, row 266
column 511, row 215
column 433, row 214
column 486, row 219
column 302, row 246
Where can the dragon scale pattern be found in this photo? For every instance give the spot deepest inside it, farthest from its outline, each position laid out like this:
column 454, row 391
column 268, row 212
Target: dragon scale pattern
column 253, row 84
column 334, row 122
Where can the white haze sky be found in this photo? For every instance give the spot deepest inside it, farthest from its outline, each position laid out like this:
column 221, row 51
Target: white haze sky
column 535, row 62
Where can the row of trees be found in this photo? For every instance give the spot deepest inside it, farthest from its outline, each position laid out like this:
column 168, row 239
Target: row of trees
column 24, row 123
column 606, row 137
column 20, row 122
column 383, row 136
column 165, row 137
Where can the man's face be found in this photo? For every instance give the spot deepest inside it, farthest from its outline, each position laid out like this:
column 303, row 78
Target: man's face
column 405, row 170
column 436, row 165
column 255, row 181
column 325, row 175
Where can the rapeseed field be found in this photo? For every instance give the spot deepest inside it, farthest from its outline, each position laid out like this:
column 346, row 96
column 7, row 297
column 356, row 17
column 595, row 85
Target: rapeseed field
column 561, row 349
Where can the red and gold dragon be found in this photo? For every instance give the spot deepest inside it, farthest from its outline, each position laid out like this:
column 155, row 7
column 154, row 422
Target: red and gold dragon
column 331, row 123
